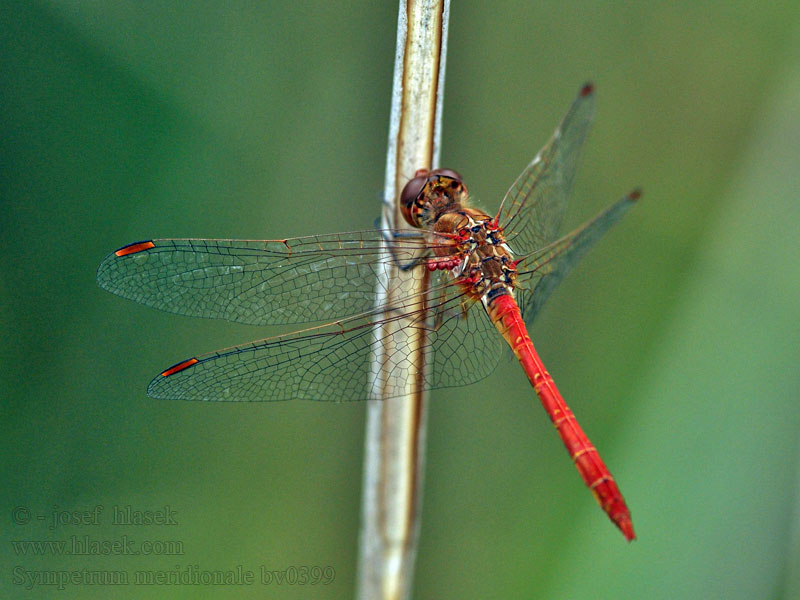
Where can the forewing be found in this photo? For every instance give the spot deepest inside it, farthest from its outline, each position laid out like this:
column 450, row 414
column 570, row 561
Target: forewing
column 534, row 206
column 258, row 282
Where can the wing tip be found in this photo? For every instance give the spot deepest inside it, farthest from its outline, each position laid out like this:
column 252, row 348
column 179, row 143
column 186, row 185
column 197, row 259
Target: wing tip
column 178, row 367
column 135, row 247
column 154, row 387
column 635, row 195
column 106, row 265
column 587, row 89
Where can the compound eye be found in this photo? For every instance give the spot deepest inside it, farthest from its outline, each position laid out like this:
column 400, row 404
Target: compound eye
column 412, row 189
column 414, row 186
column 448, row 173
column 409, row 195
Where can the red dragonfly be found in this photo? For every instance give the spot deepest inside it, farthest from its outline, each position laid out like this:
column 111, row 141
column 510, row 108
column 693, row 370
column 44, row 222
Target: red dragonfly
column 481, row 273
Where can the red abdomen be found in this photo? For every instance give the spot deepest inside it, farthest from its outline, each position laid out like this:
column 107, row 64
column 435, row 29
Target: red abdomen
column 505, row 315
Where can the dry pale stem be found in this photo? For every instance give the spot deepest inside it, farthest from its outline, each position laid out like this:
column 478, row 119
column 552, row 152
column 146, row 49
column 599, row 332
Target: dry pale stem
column 395, row 437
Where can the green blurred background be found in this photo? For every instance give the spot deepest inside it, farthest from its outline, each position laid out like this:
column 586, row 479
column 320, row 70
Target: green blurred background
column 675, row 342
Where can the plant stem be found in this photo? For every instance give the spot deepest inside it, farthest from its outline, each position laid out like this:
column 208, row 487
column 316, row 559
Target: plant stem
column 395, row 436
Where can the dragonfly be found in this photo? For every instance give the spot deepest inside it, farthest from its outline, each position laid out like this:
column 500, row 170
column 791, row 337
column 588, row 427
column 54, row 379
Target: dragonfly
column 473, row 283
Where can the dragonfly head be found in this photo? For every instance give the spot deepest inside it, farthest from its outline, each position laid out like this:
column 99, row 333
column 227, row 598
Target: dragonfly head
column 429, row 194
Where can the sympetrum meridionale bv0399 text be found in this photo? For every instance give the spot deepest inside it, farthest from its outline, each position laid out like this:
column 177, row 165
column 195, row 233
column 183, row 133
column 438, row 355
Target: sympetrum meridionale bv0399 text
column 485, row 275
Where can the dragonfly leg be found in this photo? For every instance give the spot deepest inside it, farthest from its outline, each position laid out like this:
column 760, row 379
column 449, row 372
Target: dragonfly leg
column 389, row 236
column 401, row 235
column 412, row 263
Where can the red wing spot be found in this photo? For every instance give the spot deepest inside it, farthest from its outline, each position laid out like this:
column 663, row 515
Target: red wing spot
column 635, row 194
column 180, row 367
column 587, row 89
column 134, row 248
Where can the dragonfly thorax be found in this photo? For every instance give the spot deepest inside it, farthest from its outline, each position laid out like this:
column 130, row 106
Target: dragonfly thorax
column 472, row 240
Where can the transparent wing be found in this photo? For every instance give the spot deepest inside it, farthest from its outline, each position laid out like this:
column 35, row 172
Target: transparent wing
column 534, row 206
column 334, row 362
column 258, row 281
column 544, row 270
